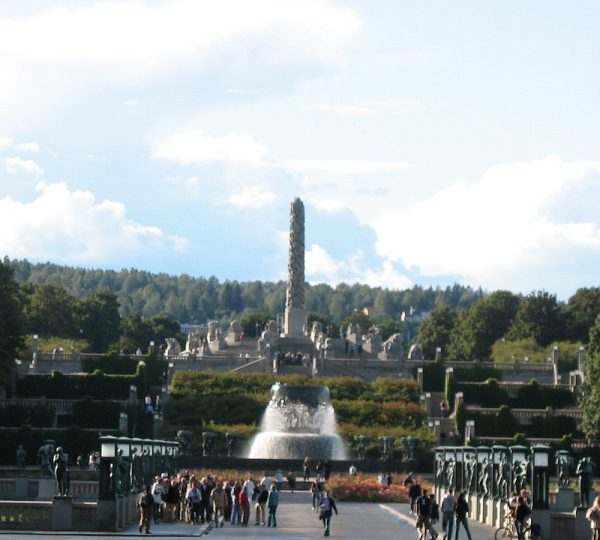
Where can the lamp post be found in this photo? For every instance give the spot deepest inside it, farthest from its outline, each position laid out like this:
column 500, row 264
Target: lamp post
column 108, row 452
column 483, row 467
column 469, row 468
column 540, row 481
column 121, row 468
column 136, row 479
column 450, row 459
column 498, row 460
column 439, row 467
column 519, row 466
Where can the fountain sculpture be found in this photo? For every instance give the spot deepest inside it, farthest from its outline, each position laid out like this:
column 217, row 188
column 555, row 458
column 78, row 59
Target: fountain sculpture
column 299, row 421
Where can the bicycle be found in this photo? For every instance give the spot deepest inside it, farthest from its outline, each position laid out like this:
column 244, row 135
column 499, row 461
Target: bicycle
column 508, row 531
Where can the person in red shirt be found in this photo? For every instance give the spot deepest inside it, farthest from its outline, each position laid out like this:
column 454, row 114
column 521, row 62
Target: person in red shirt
column 245, row 507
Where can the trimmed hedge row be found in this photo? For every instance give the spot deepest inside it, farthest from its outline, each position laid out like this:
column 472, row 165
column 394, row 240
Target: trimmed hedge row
column 248, row 409
column 60, row 386
column 529, row 396
column 18, row 415
column 74, row 440
column 382, row 389
column 504, row 424
column 434, row 375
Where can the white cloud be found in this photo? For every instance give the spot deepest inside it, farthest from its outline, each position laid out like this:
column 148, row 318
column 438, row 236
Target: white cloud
column 321, row 266
column 346, row 166
column 369, row 108
column 28, row 147
column 72, row 227
column 133, row 41
column 252, row 197
column 17, row 165
column 504, row 222
column 8, row 142
column 194, row 147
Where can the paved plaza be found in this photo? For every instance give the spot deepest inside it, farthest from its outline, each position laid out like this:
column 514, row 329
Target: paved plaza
column 297, row 521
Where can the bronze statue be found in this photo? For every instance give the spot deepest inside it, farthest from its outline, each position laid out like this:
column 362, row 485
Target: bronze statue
column 61, row 472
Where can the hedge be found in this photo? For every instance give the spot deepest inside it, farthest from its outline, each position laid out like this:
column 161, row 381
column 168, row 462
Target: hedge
column 529, row 396
column 89, row 413
column 363, row 413
column 504, row 424
column 74, row 440
column 60, row 386
column 382, row 389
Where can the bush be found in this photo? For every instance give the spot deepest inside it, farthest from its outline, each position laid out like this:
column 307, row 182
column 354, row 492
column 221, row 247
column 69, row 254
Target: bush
column 89, row 413
column 382, row 389
column 60, row 386
column 370, row 414
column 110, row 363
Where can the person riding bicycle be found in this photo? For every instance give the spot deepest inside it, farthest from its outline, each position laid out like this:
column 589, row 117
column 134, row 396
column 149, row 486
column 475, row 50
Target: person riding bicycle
column 521, row 513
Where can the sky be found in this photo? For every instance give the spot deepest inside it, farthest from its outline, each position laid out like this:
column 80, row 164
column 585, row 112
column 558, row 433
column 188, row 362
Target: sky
column 432, row 143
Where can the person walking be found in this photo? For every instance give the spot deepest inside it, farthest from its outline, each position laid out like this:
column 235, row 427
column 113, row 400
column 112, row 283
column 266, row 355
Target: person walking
column 448, row 503
column 414, row 492
column 273, row 503
column 245, row 507
column 306, row 468
column 461, row 509
column 593, row 515
column 291, row 479
column 218, row 500
column 260, row 508
column 236, row 511
column 424, row 513
column 146, row 507
column 327, row 506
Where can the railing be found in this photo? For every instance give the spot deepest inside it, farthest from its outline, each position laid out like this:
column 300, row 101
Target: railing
column 84, row 516
column 502, row 366
column 84, row 489
column 25, row 515
column 529, row 413
column 56, row 404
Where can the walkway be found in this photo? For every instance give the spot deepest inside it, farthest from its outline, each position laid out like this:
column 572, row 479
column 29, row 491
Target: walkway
column 296, row 521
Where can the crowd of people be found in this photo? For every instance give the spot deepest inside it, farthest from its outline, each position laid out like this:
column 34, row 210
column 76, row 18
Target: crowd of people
column 211, row 500
column 215, row 501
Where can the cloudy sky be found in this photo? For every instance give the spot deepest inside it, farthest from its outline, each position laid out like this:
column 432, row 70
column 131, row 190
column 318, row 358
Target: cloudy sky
column 432, row 142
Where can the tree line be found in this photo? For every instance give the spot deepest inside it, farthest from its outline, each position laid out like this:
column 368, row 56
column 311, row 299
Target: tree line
column 502, row 317
column 197, row 299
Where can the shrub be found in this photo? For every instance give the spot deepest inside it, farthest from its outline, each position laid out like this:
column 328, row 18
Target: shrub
column 60, row 386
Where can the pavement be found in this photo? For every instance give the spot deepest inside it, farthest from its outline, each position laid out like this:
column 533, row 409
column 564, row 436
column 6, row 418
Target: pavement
column 295, row 521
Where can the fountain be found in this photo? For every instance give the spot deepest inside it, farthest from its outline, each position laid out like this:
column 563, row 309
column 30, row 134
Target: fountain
column 299, row 421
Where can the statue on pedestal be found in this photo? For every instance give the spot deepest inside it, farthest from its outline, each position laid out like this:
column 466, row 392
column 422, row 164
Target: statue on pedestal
column 21, row 460
column 44, row 459
column 563, row 463
column 61, row 472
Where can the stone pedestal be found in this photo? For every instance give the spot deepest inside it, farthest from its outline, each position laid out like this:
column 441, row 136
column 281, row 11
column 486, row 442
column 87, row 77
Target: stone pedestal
column 295, row 321
column 565, row 500
column 46, row 488
column 21, row 488
column 62, row 514
column 106, row 515
column 562, row 525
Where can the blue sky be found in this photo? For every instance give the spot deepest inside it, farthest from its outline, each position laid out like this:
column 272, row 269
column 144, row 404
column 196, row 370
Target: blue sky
column 432, row 142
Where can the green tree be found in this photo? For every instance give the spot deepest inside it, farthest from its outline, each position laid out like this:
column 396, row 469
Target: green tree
column 358, row 317
column 11, row 321
column 435, row 331
column 388, row 328
column 252, row 321
column 539, row 316
column 590, row 390
column 51, row 312
column 99, row 320
column 482, row 325
column 582, row 309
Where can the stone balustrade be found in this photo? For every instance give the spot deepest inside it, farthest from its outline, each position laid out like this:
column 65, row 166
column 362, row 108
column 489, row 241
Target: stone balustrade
column 529, row 413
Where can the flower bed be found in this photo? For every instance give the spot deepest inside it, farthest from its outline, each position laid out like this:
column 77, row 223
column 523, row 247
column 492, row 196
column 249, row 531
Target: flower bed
column 363, row 488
